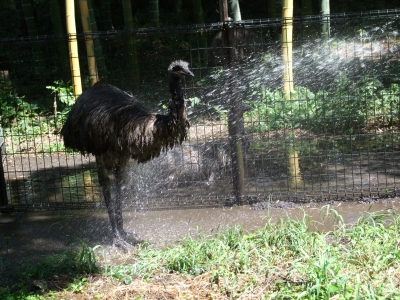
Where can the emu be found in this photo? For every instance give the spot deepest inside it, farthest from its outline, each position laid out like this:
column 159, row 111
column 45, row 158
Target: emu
column 110, row 124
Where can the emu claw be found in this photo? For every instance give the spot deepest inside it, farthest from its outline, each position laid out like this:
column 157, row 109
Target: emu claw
column 126, row 241
column 122, row 244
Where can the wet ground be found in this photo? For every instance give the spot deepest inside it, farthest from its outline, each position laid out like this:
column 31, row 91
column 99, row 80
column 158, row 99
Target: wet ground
column 33, row 235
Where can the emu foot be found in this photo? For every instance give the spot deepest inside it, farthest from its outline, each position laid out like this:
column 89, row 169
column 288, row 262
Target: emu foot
column 126, row 241
column 122, row 244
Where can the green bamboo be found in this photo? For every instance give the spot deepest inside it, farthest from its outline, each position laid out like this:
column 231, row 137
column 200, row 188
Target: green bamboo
column 235, row 10
column 93, row 76
column 287, row 36
column 326, row 26
column 133, row 57
column 73, row 48
column 98, row 49
column 293, row 164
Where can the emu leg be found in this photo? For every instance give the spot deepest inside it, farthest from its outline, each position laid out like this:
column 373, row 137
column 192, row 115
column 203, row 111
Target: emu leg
column 105, row 184
column 121, row 178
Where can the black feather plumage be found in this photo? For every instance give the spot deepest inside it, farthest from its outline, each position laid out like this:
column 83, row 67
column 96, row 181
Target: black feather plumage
column 110, row 124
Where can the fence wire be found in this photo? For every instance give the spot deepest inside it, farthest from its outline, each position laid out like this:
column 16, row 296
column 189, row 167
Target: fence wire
column 337, row 138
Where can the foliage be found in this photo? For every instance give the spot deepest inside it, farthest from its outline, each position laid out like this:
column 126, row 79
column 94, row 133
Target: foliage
column 351, row 106
column 65, row 94
column 23, row 121
column 14, row 109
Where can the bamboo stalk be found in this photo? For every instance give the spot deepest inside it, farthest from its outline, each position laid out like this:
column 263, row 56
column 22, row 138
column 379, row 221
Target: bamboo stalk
column 293, row 163
column 287, row 39
column 93, row 75
column 235, row 10
column 326, row 26
column 98, row 50
column 73, row 48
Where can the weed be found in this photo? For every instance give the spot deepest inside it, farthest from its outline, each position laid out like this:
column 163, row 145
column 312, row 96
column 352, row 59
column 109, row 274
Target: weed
column 78, row 285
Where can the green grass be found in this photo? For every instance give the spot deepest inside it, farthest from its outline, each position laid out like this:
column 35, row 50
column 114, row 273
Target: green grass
column 283, row 260
column 31, row 277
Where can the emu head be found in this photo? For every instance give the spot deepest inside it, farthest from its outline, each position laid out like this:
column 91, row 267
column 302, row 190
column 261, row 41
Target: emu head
column 177, row 107
column 178, row 68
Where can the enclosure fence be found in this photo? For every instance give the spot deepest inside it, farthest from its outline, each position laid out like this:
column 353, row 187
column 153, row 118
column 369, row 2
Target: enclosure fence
column 335, row 138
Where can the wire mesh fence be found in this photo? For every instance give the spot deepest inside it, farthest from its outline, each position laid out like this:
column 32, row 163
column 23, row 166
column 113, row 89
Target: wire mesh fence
column 336, row 138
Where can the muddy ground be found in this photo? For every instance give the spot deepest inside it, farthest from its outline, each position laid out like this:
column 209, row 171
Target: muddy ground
column 30, row 236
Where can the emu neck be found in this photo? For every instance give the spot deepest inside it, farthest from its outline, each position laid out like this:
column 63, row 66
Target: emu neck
column 177, row 106
column 175, row 87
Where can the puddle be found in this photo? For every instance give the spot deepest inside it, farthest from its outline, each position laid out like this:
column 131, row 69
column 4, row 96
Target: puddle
column 162, row 227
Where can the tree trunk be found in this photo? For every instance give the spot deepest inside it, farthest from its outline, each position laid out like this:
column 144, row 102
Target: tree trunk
column 93, row 76
column 73, row 48
column 59, row 29
column 133, row 58
column 235, row 112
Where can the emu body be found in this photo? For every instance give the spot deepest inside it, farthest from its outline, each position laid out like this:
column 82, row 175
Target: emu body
column 110, row 124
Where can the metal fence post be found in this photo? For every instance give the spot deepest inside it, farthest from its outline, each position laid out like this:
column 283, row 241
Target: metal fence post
column 235, row 112
column 3, row 186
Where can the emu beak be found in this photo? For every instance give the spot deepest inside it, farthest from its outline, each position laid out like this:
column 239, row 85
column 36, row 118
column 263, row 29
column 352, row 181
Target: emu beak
column 187, row 73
